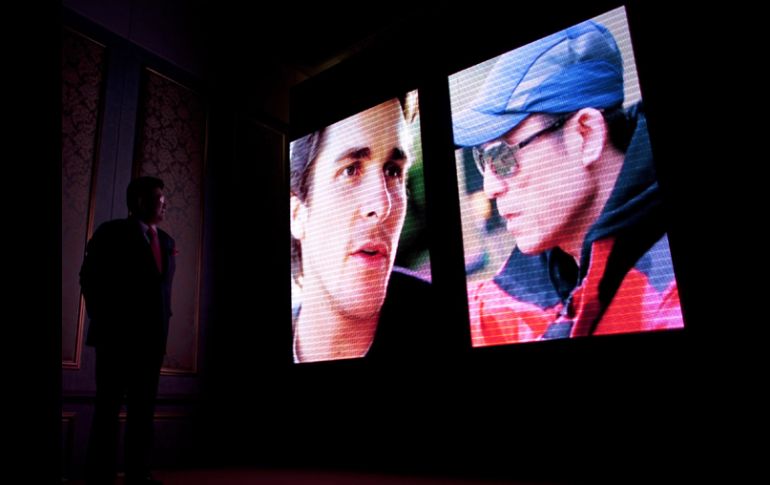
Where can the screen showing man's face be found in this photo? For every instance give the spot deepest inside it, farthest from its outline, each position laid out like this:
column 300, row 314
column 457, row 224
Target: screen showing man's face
column 348, row 228
column 553, row 196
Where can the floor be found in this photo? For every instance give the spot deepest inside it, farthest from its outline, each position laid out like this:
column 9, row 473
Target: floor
column 299, row 477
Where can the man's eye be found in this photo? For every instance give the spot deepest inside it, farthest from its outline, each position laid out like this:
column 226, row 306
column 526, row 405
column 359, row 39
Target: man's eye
column 393, row 170
column 352, row 170
column 507, row 163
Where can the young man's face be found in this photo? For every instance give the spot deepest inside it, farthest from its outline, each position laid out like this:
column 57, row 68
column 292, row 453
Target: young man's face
column 350, row 223
column 546, row 194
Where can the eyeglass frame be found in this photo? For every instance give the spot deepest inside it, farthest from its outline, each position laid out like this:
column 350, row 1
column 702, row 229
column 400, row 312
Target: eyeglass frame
column 510, row 169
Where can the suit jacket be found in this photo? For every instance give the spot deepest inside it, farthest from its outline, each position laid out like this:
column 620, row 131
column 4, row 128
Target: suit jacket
column 127, row 299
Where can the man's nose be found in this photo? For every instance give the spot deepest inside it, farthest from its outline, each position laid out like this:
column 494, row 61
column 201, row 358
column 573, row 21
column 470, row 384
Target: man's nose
column 375, row 199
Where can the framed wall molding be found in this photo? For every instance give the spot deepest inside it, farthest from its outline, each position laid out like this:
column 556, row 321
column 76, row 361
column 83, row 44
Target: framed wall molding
column 171, row 143
column 83, row 71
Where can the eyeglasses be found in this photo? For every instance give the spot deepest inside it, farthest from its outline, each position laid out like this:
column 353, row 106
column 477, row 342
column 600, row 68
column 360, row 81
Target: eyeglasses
column 502, row 156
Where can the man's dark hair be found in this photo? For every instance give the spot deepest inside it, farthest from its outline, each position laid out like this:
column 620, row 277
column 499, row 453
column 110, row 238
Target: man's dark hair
column 141, row 187
column 621, row 124
column 304, row 152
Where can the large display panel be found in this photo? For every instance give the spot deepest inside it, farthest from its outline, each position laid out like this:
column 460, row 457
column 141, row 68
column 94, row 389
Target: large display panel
column 359, row 261
column 562, row 214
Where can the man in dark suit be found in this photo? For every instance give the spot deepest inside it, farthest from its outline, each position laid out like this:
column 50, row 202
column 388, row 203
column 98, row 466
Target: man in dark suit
column 126, row 281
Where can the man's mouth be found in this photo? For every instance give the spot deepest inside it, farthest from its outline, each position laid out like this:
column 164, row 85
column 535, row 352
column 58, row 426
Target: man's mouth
column 371, row 250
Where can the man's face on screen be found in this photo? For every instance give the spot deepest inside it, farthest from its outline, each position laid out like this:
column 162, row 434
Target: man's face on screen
column 353, row 215
column 549, row 190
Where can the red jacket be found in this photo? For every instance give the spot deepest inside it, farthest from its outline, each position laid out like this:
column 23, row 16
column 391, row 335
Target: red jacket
column 647, row 299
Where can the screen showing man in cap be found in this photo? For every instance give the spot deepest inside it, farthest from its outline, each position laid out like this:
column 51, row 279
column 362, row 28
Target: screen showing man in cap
column 569, row 237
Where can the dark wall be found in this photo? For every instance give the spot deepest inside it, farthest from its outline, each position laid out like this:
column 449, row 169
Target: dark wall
column 174, row 31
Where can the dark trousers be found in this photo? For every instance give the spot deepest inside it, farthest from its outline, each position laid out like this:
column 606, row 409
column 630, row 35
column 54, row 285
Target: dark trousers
column 134, row 375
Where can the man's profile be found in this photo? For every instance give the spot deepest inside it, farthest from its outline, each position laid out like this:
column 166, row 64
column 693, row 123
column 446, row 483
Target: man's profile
column 348, row 205
column 570, row 171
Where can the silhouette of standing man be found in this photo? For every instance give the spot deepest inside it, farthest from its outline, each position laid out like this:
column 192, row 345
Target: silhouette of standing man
column 126, row 281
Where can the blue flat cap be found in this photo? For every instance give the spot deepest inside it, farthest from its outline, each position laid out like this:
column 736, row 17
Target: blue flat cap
column 576, row 68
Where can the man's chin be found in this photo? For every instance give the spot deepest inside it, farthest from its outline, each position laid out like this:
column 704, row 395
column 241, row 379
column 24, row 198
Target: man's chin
column 361, row 307
column 523, row 246
column 528, row 247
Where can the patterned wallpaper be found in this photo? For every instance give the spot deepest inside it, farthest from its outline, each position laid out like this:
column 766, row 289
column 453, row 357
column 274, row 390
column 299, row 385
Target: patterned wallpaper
column 82, row 63
column 171, row 144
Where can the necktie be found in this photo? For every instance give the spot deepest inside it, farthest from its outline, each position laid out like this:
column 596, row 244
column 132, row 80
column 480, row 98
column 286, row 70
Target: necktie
column 155, row 246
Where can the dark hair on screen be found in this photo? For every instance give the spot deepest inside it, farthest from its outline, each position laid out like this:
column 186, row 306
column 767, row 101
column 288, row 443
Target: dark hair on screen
column 141, row 187
column 621, row 124
column 302, row 156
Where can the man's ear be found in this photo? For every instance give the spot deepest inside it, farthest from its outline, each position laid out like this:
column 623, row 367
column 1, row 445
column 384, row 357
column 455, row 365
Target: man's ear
column 298, row 218
column 592, row 129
